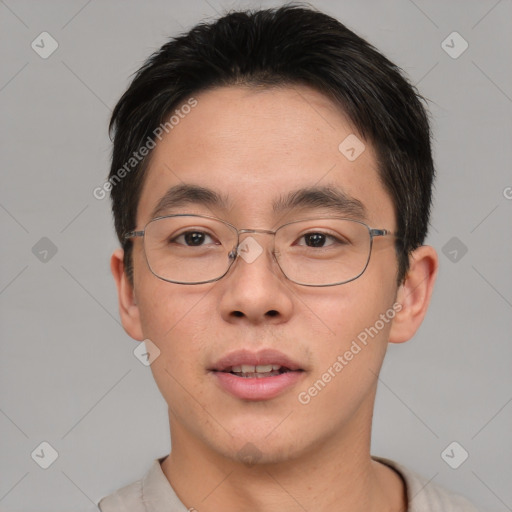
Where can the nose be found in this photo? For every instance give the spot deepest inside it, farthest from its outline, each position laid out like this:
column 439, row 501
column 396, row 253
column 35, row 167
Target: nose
column 255, row 290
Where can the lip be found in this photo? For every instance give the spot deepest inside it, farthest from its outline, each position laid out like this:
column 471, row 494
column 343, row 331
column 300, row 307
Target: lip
column 261, row 388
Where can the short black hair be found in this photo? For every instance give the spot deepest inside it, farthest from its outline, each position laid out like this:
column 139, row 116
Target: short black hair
column 290, row 45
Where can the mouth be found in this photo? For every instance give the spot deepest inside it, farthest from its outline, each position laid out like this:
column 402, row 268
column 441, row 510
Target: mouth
column 256, row 376
column 249, row 371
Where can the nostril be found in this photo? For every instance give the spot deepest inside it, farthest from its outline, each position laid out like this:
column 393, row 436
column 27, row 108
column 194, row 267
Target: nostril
column 237, row 313
column 272, row 312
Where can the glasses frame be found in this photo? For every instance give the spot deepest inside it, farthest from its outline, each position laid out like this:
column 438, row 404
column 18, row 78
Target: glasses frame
column 233, row 254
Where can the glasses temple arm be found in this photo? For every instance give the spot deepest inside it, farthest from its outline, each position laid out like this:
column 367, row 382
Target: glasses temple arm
column 132, row 234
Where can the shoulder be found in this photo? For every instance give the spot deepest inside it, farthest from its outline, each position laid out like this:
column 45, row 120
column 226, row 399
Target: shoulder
column 126, row 499
column 425, row 496
column 152, row 492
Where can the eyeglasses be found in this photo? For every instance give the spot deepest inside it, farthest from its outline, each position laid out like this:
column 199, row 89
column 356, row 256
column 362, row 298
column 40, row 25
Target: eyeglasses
column 198, row 249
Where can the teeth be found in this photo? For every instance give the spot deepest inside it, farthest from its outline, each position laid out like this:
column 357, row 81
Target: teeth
column 263, row 368
column 260, row 368
column 250, row 368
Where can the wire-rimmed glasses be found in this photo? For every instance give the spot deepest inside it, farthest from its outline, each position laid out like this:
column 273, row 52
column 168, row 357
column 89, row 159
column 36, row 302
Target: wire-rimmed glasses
column 198, row 249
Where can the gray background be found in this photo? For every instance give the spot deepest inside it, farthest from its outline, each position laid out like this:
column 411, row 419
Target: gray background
column 67, row 371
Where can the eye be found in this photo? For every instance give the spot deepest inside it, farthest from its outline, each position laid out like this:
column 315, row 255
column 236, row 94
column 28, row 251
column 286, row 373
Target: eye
column 319, row 239
column 192, row 238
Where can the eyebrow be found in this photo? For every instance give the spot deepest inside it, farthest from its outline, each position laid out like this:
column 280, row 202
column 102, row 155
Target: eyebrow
column 317, row 197
column 325, row 197
column 186, row 194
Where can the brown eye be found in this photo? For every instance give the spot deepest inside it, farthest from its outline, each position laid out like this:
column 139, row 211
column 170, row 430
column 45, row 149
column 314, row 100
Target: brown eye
column 192, row 238
column 315, row 239
column 319, row 239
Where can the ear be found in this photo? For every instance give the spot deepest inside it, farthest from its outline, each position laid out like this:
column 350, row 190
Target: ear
column 414, row 294
column 128, row 308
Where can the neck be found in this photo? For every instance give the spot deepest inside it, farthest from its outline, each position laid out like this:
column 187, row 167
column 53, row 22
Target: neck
column 336, row 474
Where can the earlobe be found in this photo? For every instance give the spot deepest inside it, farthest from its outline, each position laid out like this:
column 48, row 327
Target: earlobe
column 128, row 308
column 414, row 294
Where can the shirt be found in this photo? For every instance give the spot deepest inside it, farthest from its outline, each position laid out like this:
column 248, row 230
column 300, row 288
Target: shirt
column 154, row 493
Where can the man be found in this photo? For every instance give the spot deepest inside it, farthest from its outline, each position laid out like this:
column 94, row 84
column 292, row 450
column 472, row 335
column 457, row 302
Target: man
column 271, row 186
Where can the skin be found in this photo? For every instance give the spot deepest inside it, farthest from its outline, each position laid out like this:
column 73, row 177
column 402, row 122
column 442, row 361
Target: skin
column 255, row 145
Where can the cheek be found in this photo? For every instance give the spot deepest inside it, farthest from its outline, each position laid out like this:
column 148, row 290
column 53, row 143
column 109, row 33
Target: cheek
column 349, row 358
column 164, row 307
column 169, row 319
column 170, row 315
column 351, row 327
column 341, row 313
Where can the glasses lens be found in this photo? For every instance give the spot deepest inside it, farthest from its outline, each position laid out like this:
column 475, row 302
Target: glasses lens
column 192, row 249
column 323, row 251
column 188, row 249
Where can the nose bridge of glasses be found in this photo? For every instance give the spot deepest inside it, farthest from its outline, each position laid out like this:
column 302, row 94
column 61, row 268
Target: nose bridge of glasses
column 262, row 231
column 254, row 232
column 250, row 250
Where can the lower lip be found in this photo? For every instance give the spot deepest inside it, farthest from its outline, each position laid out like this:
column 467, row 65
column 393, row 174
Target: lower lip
column 262, row 388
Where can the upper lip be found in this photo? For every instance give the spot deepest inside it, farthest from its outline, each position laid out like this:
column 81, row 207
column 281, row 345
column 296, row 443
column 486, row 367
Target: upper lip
column 262, row 357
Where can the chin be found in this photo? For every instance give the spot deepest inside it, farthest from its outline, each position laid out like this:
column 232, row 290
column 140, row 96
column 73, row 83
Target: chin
column 257, row 448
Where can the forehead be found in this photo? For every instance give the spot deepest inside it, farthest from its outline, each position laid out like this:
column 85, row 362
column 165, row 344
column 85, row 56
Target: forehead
column 255, row 146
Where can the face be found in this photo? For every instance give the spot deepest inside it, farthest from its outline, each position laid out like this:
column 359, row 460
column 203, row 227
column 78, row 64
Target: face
column 255, row 147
